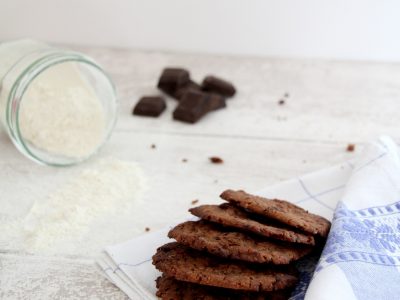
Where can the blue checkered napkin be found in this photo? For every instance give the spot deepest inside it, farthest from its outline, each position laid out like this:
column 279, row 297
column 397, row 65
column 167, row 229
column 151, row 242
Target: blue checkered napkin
column 362, row 256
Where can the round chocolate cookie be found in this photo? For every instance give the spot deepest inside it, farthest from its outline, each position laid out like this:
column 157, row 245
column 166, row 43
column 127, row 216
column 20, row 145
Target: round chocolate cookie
column 185, row 264
column 172, row 289
column 281, row 211
column 229, row 215
column 202, row 235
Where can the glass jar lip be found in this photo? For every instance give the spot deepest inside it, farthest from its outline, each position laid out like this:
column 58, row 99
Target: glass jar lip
column 19, row 87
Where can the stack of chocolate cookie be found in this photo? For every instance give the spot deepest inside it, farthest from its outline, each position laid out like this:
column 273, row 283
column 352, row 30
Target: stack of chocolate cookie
column 242, row 249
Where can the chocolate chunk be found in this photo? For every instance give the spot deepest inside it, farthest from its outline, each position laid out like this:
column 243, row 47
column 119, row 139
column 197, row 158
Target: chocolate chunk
column 219, row 86
column 172, row 79
column 190, row 86
column 195, row 104
column 151, row 106
column 216, row 101
column 192, row 107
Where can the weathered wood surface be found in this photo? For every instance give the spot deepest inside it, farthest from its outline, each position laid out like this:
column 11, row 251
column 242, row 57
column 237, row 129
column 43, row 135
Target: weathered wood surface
column 330, row 104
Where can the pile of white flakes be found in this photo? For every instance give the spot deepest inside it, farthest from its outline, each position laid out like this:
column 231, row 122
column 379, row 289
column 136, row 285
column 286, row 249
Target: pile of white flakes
column 61, row 114
column 90, row 211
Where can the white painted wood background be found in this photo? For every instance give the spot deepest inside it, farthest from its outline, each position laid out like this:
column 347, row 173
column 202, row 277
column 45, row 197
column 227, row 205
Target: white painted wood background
column 341, row 29
column 330, row 104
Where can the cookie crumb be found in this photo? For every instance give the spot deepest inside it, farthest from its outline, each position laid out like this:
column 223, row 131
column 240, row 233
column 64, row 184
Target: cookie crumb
column 281, row 102
column 216, row 160
column 216, row 181
column 350, row 147
column 195, row 201
column 147, row 229
column 153, row 146
column 286, row 95
column 184, row 160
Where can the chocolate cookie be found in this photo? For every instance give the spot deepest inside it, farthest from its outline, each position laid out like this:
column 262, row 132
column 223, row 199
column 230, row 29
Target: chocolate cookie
column 281, row 211
column 183, row 263
column 172, row 289
column 232, row 216
column 202, row 235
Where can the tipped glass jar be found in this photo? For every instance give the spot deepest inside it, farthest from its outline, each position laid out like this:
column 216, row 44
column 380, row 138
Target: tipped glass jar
column 57, row 106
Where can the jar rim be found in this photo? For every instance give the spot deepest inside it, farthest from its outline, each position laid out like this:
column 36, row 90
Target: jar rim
column 19, row 87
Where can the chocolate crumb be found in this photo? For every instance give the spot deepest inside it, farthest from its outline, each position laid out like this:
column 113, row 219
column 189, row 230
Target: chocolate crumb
column 195, row 201
column 350, row 147
column 216, row 160
column 153, row 146
column 286, row 95
column 184, row 160
column 147, row 229
column 281, row 102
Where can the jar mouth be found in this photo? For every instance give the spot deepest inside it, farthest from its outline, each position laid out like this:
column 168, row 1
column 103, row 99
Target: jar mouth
column 44, row 62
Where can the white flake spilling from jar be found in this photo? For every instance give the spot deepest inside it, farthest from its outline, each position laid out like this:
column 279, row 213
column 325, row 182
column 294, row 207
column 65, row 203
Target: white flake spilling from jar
column 101, row 196
column 61, row 114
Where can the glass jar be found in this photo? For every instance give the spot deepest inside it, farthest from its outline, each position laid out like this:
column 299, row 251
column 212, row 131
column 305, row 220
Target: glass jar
column 57, row 106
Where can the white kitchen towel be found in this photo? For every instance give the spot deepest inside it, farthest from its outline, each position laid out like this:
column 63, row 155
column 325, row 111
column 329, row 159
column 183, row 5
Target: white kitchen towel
column 362, row 253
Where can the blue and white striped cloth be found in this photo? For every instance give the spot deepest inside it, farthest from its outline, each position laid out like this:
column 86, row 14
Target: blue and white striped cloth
column 362, row 254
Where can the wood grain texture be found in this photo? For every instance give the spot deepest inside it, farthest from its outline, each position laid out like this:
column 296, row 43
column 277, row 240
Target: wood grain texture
column 330, row 104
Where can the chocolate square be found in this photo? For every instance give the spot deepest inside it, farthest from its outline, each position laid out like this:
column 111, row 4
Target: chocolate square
column 195, row 104
column 219, row 86
column 190, row 86
column 172, row 79
column 151, row 106
column 215, row 101
column 192, row 106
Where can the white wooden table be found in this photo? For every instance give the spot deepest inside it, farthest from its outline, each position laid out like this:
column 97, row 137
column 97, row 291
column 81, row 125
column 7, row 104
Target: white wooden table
column 330, row 104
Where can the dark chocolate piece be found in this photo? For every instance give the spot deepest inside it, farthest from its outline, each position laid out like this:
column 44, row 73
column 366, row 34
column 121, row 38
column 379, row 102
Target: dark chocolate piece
column 192, row 107
column 195, row 104
column 151, row 106
column 216, row 101
column 219, row 86
column 190, row 86
column 172, row 79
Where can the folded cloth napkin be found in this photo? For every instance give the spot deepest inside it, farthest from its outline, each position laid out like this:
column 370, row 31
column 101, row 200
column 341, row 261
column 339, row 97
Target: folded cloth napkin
column 362, row 252
column 361, row 258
